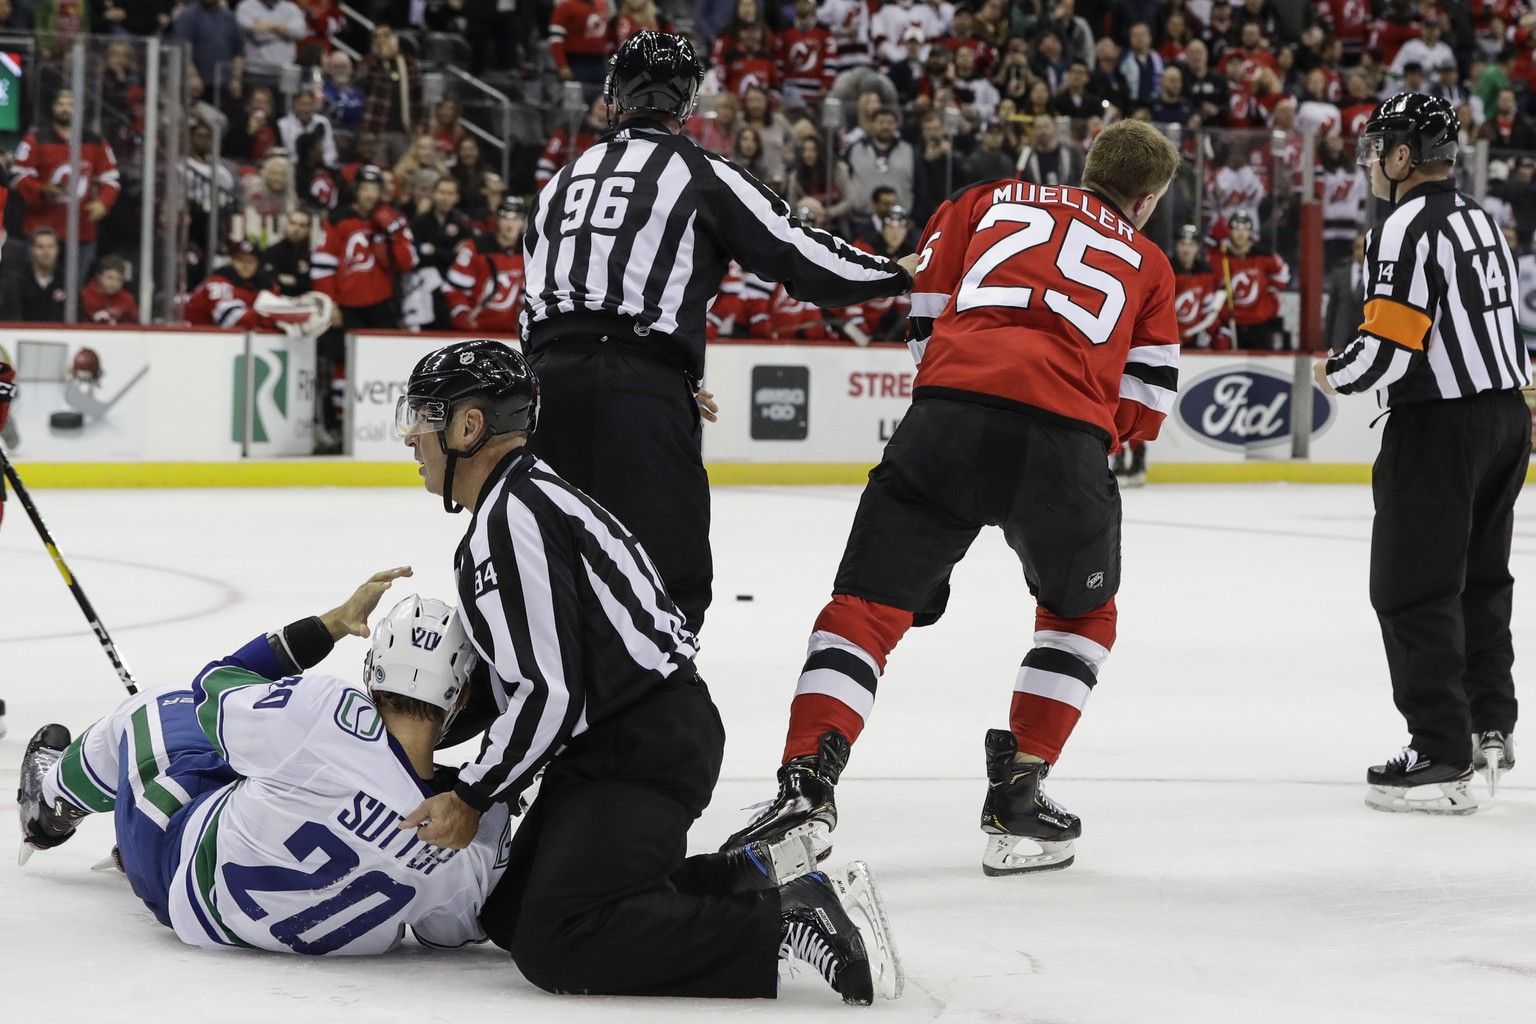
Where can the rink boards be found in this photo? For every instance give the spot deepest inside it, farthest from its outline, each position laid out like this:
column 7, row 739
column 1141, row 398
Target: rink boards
column 203, row 408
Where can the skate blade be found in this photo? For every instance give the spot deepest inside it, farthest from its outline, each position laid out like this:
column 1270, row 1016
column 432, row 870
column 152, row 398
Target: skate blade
column 860, row 897
column 25, row 853
column 819, row 835
column 1003, row 855
column 1439, row 798
column 112, row 863
column 1492, row 769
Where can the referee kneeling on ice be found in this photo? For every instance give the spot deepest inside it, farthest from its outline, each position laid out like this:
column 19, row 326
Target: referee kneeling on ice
column 592, row 672
column 625, row 250
column 1441, row 348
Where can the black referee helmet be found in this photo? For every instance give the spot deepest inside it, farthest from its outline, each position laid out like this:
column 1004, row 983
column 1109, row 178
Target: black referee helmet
column 490, row 373
column 653, row 72
column 1427, row 125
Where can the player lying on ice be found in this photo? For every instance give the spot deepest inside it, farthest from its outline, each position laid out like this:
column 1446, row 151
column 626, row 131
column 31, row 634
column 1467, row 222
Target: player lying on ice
column 263, row 807
column 260, row 808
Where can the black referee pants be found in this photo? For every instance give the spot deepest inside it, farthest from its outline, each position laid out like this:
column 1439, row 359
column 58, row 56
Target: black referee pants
column 597, row 899
column 1444, row 486
column 625, row 429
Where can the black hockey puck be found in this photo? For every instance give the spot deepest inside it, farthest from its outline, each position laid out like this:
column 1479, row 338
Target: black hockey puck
column 743, row 597
column 67, row 420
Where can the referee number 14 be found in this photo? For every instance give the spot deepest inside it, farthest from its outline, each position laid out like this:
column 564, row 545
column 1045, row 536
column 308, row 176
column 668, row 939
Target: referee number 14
column 600, row 205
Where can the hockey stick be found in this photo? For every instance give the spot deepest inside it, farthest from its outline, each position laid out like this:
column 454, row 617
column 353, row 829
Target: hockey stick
column 69, row 578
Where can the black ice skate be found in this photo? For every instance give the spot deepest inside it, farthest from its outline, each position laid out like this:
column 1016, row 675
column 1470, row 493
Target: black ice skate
column 1414, row 783
column 1017, row 809
column 43, row 827
column 818, row 932
column 1493, row 754
column 804, row 805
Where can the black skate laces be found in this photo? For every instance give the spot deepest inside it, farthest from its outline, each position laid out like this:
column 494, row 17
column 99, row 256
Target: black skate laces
column 802, row 943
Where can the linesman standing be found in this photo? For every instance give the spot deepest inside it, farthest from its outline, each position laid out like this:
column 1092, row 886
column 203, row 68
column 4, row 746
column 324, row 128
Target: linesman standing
column 626, row 248
column 1441, row 348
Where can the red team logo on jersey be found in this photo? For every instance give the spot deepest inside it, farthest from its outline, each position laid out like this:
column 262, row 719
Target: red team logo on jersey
column 359, row 251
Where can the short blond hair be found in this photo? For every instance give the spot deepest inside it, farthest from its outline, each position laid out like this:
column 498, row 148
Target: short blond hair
column 1128, row 160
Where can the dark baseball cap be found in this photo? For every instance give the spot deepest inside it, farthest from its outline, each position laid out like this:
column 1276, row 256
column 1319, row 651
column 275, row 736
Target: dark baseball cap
column 244, row 247
column 367, row 173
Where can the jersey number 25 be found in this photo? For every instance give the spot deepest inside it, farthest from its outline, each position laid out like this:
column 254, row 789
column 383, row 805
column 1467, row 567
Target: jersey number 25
column 1037, row 226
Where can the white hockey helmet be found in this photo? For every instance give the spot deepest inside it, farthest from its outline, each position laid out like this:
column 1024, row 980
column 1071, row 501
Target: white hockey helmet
column 420, row 650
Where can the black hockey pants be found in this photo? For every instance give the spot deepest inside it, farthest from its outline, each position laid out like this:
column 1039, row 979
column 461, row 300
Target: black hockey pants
column 598, row 898
column 1445, row 485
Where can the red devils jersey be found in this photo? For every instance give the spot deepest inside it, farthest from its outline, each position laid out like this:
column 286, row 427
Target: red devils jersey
column 359, row 257
column 1256, row 281
column 882, row 319
column 42, row 159
column 559, row 151
column 805, row 57
column 578, row 27
column 485, row 288
column 1354, row 118
column 1200, row 303
column 790, row 319
column 224, row 300
column 1049, row 300
column 101, row 308
column 1349, row 20
column 743, row 70
column 1388, row 36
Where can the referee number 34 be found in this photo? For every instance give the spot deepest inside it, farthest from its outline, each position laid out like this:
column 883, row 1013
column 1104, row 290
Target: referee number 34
column 485, row 578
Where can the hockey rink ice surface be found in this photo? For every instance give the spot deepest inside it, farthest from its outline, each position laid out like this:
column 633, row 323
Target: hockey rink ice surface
column 1229, row 870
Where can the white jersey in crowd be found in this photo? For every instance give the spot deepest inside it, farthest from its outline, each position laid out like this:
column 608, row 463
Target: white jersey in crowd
column 1239, row 189
column 892, row 20
column 303, row 854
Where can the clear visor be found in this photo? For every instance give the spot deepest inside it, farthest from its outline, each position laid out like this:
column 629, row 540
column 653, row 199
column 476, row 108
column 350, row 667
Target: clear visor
column 1368, row 150
column 416, row 415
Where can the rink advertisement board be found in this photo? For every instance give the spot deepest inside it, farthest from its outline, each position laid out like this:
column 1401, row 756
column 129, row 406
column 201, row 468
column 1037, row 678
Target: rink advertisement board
column 378, row 367
column 157, row 395
column 806, row 403
column 1239, row 408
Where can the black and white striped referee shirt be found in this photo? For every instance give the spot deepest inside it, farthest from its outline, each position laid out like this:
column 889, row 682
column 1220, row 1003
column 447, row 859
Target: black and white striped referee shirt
column 640, row 229
column 1441, row 294
column 570, row 615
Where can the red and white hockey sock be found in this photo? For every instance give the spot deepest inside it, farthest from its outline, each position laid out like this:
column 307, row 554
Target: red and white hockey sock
column 1057, row 676
column 843, row 664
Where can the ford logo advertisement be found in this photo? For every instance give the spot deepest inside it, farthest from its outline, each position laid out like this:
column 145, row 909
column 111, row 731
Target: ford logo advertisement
column 1243, row 408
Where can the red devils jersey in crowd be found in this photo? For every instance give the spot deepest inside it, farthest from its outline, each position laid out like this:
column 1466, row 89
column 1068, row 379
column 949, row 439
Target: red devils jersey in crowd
column 43, row 159
column 882, row 319
column 789, row 318
column 558, row 152
column 1353, row 119
column 1257, row 279
column 578, row 27
column 1200, row 303
column 1348, row 20
column 1389, row 35
column 805, row 57
column 1051, row 301
column 742, row 301
column 226, row 300
column 741, row 70
column 985, row 54
column 624, row 26
column 100, row 308
column 359, row 257
column 485, row 287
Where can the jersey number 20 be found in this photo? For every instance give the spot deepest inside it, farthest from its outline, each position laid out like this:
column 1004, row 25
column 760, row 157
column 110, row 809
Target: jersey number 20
column 1038, row 225
column 242, row 881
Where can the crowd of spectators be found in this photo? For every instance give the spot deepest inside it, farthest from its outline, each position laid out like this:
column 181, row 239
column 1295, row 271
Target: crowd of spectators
column 864, row 115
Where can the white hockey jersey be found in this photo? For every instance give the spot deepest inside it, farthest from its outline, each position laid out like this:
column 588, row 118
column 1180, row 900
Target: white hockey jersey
column 304, row 854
